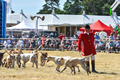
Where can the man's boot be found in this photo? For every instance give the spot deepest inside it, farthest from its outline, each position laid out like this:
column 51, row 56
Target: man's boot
column 93, row 66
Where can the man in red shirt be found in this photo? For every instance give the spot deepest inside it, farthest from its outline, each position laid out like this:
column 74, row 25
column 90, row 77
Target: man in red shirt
column 61, row 36
column 88, row 47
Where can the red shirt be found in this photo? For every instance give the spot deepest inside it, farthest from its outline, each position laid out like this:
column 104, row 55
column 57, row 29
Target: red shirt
column 43, row 40
column 61, row 36
column 88, row 47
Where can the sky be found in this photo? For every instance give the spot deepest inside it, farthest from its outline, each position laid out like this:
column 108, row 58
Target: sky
column 30, row 6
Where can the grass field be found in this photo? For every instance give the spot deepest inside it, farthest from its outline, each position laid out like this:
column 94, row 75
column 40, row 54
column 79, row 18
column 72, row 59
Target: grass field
column 108, row 66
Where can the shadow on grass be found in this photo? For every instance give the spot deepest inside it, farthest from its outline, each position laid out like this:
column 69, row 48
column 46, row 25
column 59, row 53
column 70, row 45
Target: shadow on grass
column 112, row 73
column 50, row 66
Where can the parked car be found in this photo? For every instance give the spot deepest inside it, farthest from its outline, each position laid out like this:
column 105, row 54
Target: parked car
column 30, row 33
column 52, row 34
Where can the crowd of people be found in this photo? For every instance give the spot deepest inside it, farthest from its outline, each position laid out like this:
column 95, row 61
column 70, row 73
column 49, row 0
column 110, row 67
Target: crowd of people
column 45, row 42
column 110, row 44
column 61, row 43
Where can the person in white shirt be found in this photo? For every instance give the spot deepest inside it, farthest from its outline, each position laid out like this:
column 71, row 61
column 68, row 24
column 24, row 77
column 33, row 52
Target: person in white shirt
column 27, row 36
column 13, row 36
column 23, row 35
column 5, row 43
column 20, row 42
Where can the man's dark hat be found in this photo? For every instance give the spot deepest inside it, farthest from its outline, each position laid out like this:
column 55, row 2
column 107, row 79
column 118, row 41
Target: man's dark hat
column 87, row 27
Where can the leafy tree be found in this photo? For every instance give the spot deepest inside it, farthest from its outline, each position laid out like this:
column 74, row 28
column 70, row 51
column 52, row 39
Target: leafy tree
column 89, row 6
column 99, row 7
column 72, row 6
column 49, row 6
column 12, row 11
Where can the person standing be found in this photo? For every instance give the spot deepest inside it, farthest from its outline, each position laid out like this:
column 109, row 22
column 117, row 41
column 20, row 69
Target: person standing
column 96, row 36
column 88, row 47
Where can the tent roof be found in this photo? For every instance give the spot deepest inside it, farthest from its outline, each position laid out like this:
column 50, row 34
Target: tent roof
column 21, row 26
column 98, row 26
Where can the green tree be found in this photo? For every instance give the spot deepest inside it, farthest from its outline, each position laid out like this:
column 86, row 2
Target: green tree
column 99, row 7
column 72, row 6
column 49, row 6
column 12, row 11
column 89, row 6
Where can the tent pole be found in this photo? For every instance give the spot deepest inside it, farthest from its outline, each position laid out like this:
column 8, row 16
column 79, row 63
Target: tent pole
column 92, row 25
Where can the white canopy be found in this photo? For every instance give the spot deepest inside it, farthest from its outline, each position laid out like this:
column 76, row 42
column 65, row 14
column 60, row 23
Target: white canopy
column 21, row 26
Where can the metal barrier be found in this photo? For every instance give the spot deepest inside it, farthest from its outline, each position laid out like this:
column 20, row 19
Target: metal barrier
column 48, row 44
column 27, row 43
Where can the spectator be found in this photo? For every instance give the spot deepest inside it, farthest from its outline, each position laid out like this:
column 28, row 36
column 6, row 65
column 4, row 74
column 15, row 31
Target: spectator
column 1, row 42
column 61, row 36
column 100, row 46
column 118, row 37
column 20, row 43
column 36, row 36
column 107, row 44
column 5, row 44
column 53, row 43
column 39, row 42
column 32, row 43
column 96, row 36
column 23, row 35
column 110, row 46
column 43, row 41
column 48, row 42
column 13, row 36
column 116, row 45
column 27, row 35
column 111, row 37
column 75, row 44
column 57, row 43
column 68, row 44
column 27, row 43
column 62, row 44
column 9, row 43
column 75, row 35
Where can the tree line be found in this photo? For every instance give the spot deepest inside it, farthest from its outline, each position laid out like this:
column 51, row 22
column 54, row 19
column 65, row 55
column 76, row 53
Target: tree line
column 91, row 7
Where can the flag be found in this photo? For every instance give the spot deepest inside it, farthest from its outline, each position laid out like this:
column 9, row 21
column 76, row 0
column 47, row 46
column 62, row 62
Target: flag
column 110, row 13
column 23, row 14
column 116, row 28
column 56, row 16
column 53, row 12
column 84, row 14
column 87, row 17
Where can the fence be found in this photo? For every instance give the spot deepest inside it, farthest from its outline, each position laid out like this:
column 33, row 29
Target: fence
column 55, row 44
column 28, row 43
